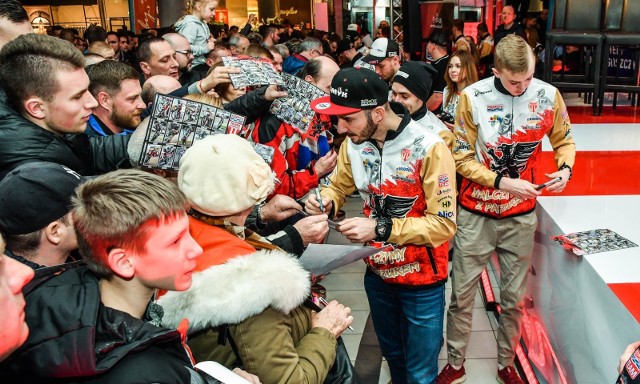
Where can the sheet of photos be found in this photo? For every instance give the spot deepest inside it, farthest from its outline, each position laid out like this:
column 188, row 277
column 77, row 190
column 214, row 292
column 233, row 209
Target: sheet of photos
column 593, row 241
column 254, row 72
column 295, row 109
column 175, row 124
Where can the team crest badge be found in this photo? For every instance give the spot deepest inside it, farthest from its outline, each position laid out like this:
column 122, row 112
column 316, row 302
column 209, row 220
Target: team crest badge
column 533, row 106
column 406, row 154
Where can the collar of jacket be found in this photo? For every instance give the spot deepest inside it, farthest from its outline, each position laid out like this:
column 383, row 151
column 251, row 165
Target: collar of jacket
column 96, row 339
column 242, row 287
column 403, row 112
column 420, row 113
column 498, row 84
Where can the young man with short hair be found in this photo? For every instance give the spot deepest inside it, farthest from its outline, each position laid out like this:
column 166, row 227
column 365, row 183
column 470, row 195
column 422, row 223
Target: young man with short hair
column 100, row 324
column 46, row 108
column 499, row 127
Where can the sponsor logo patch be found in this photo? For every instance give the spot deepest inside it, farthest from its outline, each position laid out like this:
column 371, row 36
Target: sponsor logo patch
column 339, row 92
column 443, row 181
column 322, row 106
column 445, row 214
column 495, row 108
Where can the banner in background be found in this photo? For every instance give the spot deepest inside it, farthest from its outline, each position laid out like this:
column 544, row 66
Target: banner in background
column 145, row 14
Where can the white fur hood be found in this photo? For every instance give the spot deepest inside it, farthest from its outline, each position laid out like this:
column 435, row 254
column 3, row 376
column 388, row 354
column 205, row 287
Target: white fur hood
column 237, row 290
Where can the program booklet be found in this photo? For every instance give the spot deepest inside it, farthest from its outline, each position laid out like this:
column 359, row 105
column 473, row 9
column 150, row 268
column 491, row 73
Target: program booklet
column 175, row 124
column 295, row 109
column 254, row 71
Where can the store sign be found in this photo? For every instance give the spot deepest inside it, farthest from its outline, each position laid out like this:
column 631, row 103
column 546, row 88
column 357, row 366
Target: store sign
column 145, row 14
column 295, row 11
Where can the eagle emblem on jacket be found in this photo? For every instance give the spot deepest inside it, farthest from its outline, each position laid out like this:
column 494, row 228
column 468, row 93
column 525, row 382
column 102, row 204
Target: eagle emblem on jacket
column 390, row 206
column 510, row 160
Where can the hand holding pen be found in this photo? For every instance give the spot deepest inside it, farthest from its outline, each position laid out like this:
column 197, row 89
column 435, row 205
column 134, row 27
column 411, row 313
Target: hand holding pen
column 334, row 316
column 315, row 204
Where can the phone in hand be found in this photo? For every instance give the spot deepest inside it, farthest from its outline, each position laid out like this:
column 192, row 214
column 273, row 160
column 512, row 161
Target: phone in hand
column 548, row 183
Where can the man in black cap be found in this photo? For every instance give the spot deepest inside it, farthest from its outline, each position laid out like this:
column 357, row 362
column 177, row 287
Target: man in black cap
column 410, row 87
column 437, row 49
column 409, row 206
column 385, row 57
column 35, row 217
column 347, row 54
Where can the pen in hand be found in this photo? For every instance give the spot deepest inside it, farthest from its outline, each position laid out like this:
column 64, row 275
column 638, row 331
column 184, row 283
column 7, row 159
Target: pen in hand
column 325, row 303
column 319, row 198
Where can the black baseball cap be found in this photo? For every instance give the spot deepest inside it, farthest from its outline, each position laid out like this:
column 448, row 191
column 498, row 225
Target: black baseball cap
column 352, row 90
column 34, row 195
column 344, row 45
column 439, row 37
column 381, row 49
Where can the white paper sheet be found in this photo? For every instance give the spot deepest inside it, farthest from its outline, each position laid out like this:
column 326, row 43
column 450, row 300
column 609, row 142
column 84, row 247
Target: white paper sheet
column 322, row 258
column 220, row 372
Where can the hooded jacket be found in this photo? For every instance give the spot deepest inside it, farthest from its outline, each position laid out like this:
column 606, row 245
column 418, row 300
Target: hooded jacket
column 197, row 32
column 22, row 141
column 258, row 294
column 74, row 338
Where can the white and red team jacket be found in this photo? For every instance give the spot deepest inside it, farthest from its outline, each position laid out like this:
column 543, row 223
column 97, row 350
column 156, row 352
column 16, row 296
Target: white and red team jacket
column 499, row 135
column 412, row 181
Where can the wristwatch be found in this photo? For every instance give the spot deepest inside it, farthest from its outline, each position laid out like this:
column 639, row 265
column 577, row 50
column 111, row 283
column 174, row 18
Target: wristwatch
column 383, row 228
column 565, row 166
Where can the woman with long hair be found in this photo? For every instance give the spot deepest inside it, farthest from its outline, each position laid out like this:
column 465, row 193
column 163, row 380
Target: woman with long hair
column 461, row 72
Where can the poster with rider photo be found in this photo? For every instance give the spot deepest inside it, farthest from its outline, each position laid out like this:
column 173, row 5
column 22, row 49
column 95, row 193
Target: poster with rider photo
column 254, row 71
column 295, row 109
column 593, row 241
column 175, row 124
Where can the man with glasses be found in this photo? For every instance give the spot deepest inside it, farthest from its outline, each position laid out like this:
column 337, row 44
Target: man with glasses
column 184, row 55
column 309, row 48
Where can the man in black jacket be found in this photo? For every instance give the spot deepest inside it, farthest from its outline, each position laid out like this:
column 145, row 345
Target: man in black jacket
column 44, row 108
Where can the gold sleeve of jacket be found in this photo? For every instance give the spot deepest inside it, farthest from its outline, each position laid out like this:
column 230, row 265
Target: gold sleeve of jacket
column 464, row 150
column 448, row 138
column 560, row 134
column 341, row 181
column 438, row 224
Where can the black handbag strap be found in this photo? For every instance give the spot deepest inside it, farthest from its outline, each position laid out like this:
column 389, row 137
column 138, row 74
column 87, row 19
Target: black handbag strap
column 224, row 335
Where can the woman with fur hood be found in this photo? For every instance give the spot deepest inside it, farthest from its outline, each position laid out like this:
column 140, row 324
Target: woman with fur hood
column 246, row 292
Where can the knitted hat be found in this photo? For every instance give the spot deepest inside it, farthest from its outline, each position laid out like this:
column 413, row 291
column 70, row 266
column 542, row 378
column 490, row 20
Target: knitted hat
column 222, row 175
column 417, row 77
